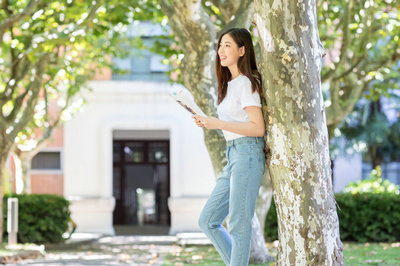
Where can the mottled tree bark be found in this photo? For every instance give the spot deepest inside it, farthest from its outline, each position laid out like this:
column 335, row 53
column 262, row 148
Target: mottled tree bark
column 297, row 137
column 198, row 36
column 264, row 199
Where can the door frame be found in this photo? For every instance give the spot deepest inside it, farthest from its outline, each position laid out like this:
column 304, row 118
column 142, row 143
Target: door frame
column 122, row 163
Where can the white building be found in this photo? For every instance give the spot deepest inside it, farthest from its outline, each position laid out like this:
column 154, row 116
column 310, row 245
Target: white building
column 132, row 135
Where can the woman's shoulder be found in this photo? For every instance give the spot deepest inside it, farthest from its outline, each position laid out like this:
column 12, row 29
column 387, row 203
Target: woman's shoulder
column 243, row 82
column 244, row 78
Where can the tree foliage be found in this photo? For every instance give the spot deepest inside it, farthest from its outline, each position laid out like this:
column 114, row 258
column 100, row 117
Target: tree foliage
column 48, row 55
column 368, row 129
column 48, row 52
column 361, row 39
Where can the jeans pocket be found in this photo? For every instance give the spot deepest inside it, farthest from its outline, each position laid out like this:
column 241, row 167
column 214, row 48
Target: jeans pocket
column 243, row 149
column 256, row 148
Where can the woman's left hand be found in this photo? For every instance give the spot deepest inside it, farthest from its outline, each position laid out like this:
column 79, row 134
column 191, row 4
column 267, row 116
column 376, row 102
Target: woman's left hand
column 209, row 122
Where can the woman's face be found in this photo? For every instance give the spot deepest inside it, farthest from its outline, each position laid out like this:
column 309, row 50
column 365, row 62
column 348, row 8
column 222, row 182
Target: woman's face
column 229, row 52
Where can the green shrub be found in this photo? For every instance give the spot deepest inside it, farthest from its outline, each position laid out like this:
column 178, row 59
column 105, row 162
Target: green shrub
column 42, row 218
column 374, row 183
column 271, row 223
column 369, row 216
column 362, row 217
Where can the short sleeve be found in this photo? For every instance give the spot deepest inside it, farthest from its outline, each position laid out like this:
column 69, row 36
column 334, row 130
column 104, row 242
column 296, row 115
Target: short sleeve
column 247, row 98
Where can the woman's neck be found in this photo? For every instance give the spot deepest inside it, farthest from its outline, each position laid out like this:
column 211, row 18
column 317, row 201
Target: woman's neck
column 234, row 71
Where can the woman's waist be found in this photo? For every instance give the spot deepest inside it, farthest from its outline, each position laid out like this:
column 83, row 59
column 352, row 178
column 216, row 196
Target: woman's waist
column 246, row 140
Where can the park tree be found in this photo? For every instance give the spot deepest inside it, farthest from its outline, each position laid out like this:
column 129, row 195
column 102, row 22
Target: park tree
column 298, row 143
column 48, row 52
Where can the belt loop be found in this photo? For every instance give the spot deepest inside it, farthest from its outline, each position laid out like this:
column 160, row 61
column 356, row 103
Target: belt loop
column 257, row 140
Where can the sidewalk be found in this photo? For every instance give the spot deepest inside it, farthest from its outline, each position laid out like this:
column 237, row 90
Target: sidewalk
column 95, row 249
column 75, row 241
column 182, row 239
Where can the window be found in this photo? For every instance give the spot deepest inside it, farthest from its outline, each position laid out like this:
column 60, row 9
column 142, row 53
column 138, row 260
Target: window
column 158, row 152
column 156, row 64
column 142, row 65
column 134, row 152
column 46, row 160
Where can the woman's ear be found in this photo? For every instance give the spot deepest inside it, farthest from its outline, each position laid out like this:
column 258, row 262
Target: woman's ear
column 241, row 51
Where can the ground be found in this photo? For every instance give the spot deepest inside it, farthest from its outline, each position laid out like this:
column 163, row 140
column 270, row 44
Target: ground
column 170, row 251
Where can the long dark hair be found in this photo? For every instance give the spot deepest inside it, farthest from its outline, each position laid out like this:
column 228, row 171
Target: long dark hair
column 247, row 63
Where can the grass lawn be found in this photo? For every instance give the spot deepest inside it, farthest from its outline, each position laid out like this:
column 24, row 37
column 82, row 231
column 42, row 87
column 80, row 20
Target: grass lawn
column 354, row 254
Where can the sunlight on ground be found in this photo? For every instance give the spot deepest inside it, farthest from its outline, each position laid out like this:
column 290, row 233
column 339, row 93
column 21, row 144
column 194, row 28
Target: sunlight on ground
column 354, row 253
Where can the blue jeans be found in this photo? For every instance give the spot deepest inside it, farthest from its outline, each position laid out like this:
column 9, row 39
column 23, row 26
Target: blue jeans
column 235, row 193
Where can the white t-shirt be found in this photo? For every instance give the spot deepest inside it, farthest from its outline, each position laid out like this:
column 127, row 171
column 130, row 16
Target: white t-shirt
column 239, row 95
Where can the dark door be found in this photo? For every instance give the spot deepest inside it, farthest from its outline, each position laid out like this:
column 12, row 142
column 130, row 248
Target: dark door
column 141, row 182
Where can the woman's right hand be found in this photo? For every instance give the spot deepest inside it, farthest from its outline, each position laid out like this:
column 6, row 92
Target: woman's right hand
column 198, row 122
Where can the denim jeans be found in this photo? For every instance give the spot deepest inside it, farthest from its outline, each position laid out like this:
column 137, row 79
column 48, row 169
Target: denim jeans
column 235, row 193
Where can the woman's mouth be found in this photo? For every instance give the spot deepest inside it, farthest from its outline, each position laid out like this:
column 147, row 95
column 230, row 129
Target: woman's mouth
column 222, row 58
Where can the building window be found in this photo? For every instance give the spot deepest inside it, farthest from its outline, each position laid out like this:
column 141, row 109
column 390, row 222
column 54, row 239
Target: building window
column 46, row 160
column 142, row 65
column 158, row 152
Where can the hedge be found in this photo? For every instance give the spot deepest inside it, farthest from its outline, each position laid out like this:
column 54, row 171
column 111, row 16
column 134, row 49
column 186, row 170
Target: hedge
column 363, row 217
column 42, row 218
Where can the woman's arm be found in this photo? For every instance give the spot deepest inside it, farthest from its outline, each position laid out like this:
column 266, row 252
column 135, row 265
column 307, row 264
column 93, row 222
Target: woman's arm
column 254, row 128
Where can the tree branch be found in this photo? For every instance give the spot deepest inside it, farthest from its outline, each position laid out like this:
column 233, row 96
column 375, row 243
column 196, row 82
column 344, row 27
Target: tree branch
column 190, row 23
column 22, row 69
column 166, row 7
column 17, row 105
column 55, row 124
column 92, row 13
column 243, row 16
column 346, row 33
column 35, row 85
column 17, row 17
column 227, row 9
column 348, row 71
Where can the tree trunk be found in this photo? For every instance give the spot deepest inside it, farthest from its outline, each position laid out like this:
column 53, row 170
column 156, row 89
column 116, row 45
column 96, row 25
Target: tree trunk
column 376, row 159
column 373, row 148
column 257, row 253
column 264, row 199
column 26, row 160
column 197, row 35
column 3, row 159
column 258, row 244
column 5, row 147
column 297, row 136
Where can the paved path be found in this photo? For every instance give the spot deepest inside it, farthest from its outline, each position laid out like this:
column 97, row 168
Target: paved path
column 117, row 250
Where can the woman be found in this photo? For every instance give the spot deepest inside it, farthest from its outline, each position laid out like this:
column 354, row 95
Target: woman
column 242, row 123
